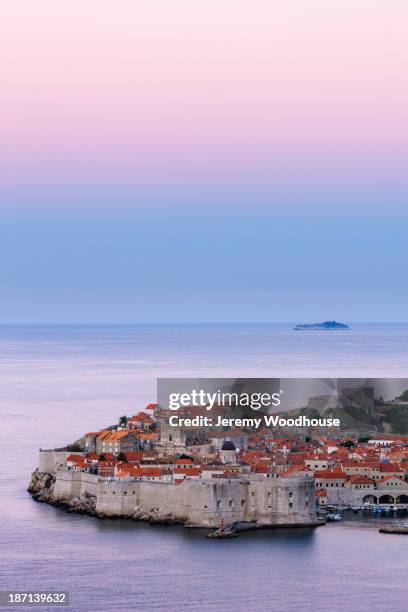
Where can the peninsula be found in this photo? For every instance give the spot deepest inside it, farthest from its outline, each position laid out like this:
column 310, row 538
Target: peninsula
column 145, row 469
column 326, row 325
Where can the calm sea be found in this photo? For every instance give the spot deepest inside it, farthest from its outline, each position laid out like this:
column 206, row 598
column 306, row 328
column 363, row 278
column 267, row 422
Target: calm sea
column 57, row 382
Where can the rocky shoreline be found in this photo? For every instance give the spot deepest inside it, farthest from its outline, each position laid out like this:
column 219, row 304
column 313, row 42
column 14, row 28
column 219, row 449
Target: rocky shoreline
column 41, row 488
column 398, row 529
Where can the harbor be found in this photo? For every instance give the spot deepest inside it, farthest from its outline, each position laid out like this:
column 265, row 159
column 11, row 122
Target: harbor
column 367, row 509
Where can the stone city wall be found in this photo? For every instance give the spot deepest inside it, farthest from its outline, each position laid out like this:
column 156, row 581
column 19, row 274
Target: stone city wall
column 268, row 501
column 50, row 460
column 69, row 483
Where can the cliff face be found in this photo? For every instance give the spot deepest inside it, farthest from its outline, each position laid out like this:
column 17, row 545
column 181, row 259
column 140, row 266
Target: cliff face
column 42, row 486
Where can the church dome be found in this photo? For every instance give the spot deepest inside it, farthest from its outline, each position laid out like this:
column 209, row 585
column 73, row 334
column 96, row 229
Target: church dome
column 228, row 446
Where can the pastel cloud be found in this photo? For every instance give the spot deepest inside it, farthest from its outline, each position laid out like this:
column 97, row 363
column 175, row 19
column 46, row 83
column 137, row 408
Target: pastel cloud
column 146, row 91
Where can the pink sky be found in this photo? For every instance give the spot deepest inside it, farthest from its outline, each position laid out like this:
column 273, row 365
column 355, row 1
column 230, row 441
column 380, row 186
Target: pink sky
column 158, row 88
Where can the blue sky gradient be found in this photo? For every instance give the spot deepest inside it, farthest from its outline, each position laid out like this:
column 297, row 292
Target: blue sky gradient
column 206, row 263
column 192, row 162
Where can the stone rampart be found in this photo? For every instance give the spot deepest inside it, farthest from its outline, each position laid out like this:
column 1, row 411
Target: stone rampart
column 200, row 503
column 50, row 460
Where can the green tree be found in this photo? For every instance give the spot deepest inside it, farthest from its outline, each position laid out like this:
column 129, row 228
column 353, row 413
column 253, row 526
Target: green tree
column 74, row 448
column 347, row 443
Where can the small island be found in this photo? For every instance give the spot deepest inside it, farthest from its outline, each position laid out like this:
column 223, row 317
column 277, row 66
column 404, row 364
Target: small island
column 326, row 325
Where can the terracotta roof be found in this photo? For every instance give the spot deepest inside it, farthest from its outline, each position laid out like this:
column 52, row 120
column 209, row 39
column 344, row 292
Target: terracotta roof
column 114, row 436
column 390, row 467
column 329, row 475
column 151, row 471
column 128, row 469
column 141, row 416
column 104, row 434
column 73, row 457
column 193, row 471
column 318, row 457
column 108, row 456
column 133, row 455
column 357, row 479
column 393, row 478
column 151, row 406
column 147, row 436
column 92, row 456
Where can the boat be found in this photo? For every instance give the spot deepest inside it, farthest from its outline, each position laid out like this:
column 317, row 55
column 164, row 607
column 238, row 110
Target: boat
column 222, row 535
column 332, row 517
column 224, row 532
